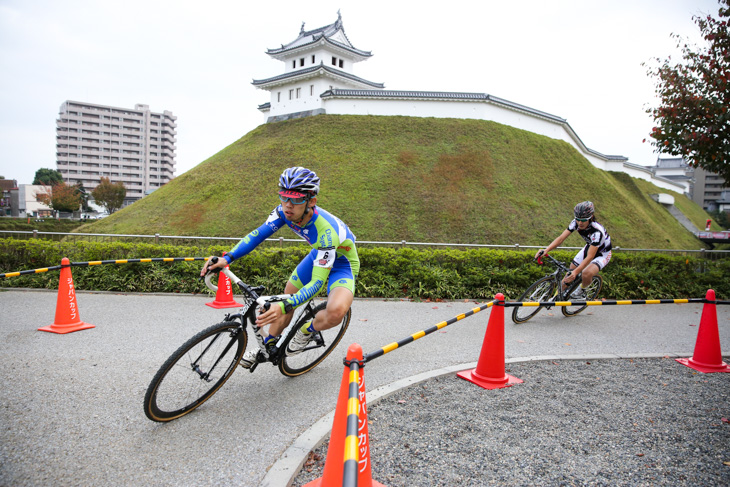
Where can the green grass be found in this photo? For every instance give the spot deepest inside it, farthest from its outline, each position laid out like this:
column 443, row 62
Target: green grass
column 408, row 178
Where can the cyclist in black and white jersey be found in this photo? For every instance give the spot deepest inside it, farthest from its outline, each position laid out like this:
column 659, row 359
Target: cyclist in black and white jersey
column 597, row 250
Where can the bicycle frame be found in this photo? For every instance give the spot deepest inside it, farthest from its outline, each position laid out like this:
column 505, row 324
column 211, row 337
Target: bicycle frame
column 270, row 354
column 559, row 274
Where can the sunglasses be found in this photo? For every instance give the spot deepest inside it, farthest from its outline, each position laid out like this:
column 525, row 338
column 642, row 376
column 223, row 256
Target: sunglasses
column 294, row 201
column 582, row 219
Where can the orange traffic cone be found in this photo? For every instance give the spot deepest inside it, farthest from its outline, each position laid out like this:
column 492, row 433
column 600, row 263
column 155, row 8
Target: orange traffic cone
column 224, row 295
column 707, row 355
column 67, row 311
column 489, row 373
column 334, row 465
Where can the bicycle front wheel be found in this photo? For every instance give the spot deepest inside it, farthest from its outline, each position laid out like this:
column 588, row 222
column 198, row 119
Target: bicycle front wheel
column 321, row 345
column 591, row 292
column 195, row 371
column 540, row 291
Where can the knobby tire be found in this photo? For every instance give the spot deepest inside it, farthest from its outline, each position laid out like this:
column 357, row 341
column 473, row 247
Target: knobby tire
column 318, row 348
column 181, row 385
column 539, row 291
column 592, row 292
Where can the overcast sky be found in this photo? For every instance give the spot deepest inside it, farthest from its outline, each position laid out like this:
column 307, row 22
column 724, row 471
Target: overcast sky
column 577, row 59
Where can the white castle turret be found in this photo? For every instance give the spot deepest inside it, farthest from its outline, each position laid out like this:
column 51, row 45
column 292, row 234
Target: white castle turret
column 317, row 61
column 318, row 79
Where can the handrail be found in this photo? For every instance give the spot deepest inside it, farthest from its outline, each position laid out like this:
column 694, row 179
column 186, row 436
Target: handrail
column 403, row 243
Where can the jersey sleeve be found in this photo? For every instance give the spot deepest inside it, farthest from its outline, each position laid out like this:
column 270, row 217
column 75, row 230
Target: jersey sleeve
column 572, row 226
column 253, row 239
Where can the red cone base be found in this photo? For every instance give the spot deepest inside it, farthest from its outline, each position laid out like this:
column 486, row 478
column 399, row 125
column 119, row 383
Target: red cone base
column 707, row 356
column 488, row 382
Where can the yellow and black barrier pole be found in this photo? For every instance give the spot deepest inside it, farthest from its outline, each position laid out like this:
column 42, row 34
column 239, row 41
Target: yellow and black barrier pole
column 102, row 262
column 607, row 302
column 392, row 346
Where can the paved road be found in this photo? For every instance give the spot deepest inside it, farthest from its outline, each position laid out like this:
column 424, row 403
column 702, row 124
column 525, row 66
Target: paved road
column 71, row 408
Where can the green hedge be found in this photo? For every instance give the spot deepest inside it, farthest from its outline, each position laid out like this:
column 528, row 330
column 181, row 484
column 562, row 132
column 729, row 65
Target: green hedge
column 385, row 272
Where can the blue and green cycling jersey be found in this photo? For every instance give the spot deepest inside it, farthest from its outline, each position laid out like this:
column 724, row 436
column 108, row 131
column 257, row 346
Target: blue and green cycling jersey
column 331, row 241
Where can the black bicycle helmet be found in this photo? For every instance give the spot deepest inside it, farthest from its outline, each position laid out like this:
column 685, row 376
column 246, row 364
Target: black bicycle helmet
column 584, row 210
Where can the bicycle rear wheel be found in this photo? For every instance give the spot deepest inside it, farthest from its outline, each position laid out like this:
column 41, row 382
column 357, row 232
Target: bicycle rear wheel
column 591, row 292
column 321, row 345
column 540, row 290
column 195, row 371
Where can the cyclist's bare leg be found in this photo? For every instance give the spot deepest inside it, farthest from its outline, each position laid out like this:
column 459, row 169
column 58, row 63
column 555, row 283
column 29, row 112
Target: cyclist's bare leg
column 338, row 303
column 590, row 272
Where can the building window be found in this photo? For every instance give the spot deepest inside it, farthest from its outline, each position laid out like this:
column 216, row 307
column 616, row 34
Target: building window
column 299, row 92
column 278, row 96
column 301, row 62
column 291, row 94
column 342, row 63
column 312, row 58
column 294, row 64
column 334, row 61
column 311, row 90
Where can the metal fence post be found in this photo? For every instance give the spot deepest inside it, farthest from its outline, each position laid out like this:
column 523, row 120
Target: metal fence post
column 157, row 238
column 35, row 233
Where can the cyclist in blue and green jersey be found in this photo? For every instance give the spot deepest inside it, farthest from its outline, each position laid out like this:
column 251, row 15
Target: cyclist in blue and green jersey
column 333, row 259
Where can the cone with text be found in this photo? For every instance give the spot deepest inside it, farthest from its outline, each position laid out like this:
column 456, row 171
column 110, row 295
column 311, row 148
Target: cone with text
column 67, row 311
column 334, row 466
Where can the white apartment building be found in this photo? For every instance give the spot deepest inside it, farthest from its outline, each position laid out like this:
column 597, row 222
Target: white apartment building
column 132, row 146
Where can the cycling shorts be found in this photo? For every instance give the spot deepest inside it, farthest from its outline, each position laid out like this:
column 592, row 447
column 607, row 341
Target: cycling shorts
column 601, row 260
column 341, row 274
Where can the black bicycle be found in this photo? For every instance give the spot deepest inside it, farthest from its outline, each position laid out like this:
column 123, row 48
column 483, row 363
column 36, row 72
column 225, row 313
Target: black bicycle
column 550, row 289
column 196, row 370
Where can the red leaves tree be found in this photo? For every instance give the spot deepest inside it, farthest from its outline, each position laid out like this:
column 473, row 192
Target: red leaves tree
column 109, row 195
column 692, row 119
column 62, row 197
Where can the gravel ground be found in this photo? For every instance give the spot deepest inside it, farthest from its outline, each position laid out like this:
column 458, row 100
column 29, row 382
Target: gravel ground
column 603, row 422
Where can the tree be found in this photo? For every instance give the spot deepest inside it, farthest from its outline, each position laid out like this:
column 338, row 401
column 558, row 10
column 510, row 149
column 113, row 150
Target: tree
column 692, row 119
column 61, row 197
column 109, row 195
column 47, row 177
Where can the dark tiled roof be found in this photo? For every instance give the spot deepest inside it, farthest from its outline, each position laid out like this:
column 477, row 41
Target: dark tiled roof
column 671, row 162
column 313, row 69
column 309, row 37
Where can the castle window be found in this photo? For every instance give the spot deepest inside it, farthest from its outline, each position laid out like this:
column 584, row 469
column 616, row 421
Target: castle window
column 294, row 64
column 299, row 92
column 342, row 63
column 301, row 62
column 291, row 94
column 334, row 61
column 311, row 90
column 278, row 96
column 312, row 58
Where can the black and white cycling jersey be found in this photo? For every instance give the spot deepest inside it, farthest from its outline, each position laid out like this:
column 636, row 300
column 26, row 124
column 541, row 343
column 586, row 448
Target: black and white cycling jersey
column 595, row 234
